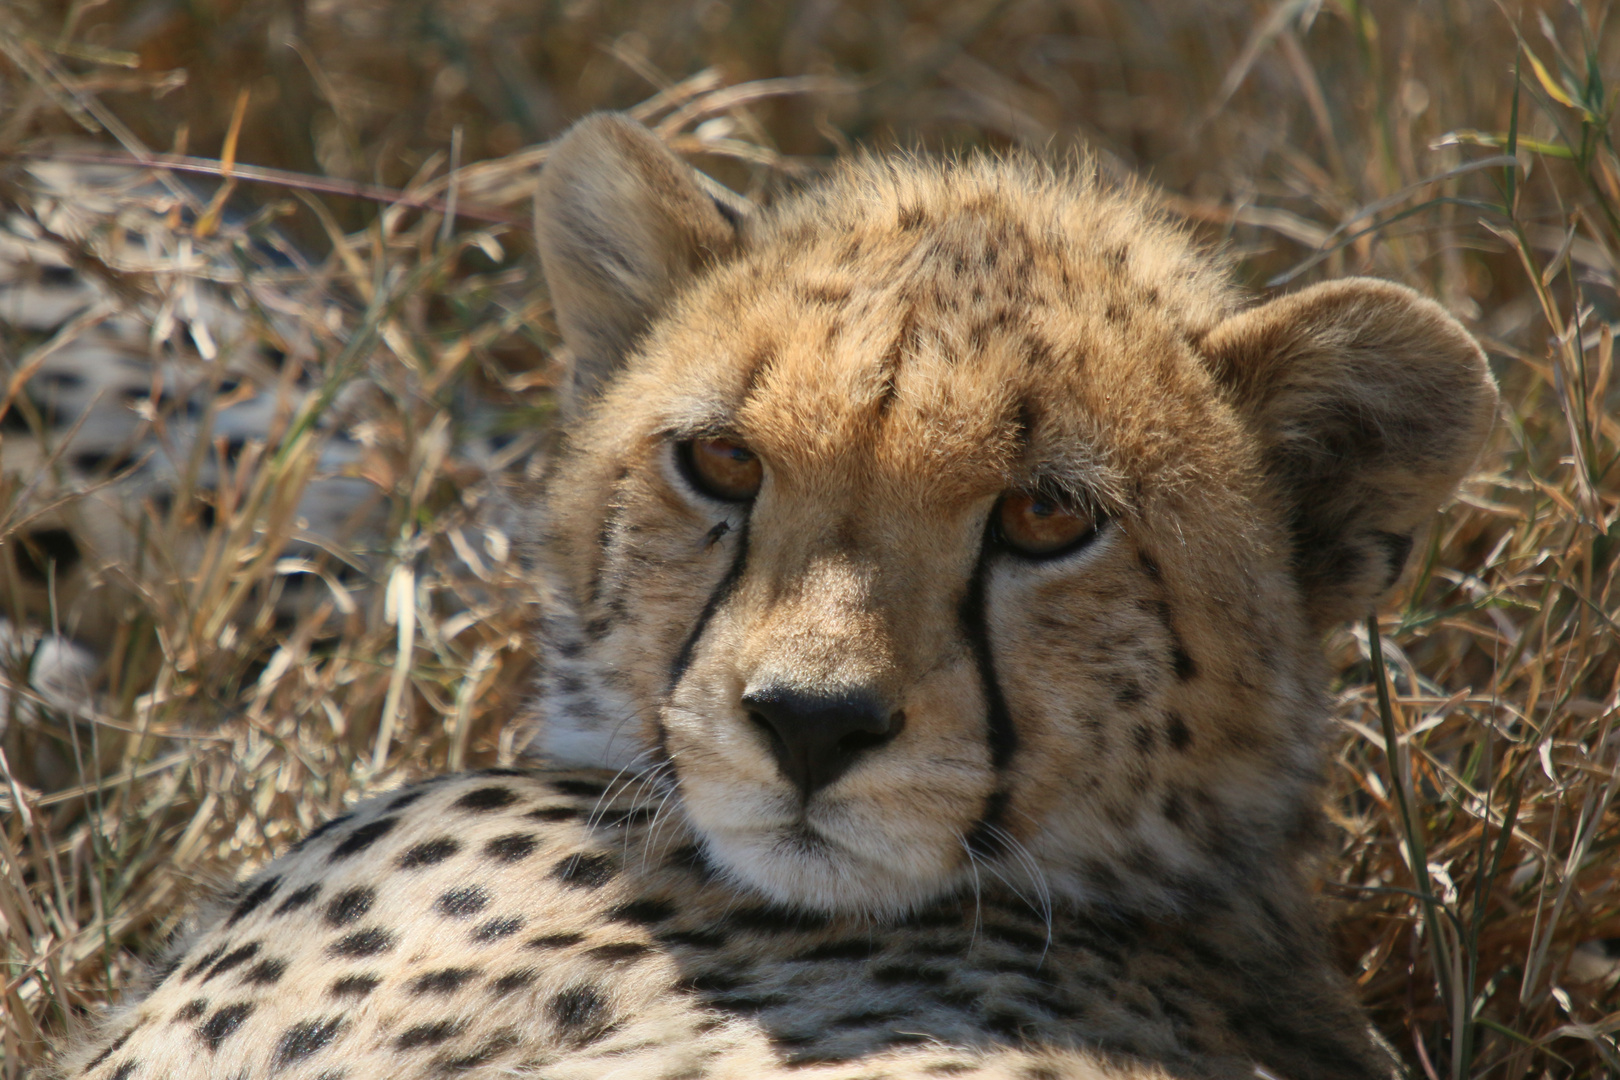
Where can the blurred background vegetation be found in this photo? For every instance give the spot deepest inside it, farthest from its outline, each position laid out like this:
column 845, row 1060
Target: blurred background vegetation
column 1463, row 147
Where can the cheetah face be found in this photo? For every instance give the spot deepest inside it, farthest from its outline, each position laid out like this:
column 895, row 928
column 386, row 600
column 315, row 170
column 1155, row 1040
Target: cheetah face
column 951, row 521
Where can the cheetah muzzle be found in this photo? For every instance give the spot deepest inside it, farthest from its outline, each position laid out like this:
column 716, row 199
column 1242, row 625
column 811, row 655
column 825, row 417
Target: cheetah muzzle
column 931, row 567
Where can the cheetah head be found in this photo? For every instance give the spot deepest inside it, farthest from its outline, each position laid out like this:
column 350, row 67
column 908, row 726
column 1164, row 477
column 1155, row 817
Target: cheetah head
column 958, row 519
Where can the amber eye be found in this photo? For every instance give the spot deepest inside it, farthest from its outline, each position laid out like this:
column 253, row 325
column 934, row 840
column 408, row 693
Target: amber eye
column 721, row 469
column 1037, row 527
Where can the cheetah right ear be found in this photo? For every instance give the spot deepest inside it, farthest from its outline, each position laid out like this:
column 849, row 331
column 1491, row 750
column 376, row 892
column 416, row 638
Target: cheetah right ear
column 1369, row 404
column 620, row 222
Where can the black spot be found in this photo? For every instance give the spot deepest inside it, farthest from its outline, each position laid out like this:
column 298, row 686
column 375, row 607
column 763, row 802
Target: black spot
column 555, row 941
column 1015, row 935
column 354, row 986
column 498, row 928
column 230, row 960
column 587, row 788
column 615, row 818
column 298, row 899
column 462, row 903
column 862, row 1019
column 1175, row 811
column 840, row 950
column 776, row 920
column 497, row 770
column 1176, row 729
column 1185, row 667
column 898, row 974
column 1129, row 692
column 689, row 857
column 1144, row 736
column 124, row 1070
column 400, row 802
column 443, row 981
column 642, row 912
column 697, row 939
column 428, row 853
column 362, row 943
column 190, row 1011
column 112, row 1048
column 581, row 1012
column 249, row 903
column 617, row 951
column 933, row 918
column 511, row 848
column 207, row 959
column 585, row 871
column 427, row 1034
column 217, row 1028
column 301, row 1040
column 349, row 906
column 513, row 981
column 554, row 813
column 481, row 800
column 362, row 838
column 264, row 973
column 321, row 830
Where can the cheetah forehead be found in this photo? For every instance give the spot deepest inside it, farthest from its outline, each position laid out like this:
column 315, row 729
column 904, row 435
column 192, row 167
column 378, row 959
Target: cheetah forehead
column 960, row 321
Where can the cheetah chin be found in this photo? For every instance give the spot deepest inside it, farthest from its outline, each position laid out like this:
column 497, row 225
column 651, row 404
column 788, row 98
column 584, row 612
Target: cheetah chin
column 930, row 572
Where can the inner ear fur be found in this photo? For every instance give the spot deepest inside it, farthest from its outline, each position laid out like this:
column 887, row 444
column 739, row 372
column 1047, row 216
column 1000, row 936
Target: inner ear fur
column 621, row 222
column 1370, row 404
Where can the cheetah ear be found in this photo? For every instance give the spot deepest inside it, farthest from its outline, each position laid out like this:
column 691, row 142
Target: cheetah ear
column 1370, row 404
column 620, row 222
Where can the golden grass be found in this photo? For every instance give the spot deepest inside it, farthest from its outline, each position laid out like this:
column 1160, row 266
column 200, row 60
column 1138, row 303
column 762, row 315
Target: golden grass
column 1461, row 147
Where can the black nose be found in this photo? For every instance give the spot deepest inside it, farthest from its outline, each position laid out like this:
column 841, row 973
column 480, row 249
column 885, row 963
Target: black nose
column 816, row 737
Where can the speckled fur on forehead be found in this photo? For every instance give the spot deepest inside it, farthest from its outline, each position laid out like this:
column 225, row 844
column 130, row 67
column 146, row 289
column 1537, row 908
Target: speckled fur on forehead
column 996, row 314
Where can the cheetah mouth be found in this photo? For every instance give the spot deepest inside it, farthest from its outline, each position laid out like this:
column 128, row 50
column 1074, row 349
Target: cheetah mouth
column 815, row 865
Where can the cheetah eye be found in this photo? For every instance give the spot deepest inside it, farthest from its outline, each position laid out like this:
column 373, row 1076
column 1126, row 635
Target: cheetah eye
column 721, row 469
column 1037, row 527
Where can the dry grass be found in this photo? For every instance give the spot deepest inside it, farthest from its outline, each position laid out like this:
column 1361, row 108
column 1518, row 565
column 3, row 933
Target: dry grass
column 1426, row 142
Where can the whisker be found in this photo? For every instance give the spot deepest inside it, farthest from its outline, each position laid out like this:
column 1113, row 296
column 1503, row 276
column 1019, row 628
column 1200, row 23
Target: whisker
column 978, row 907
column 1041, row 906
column 594, row 818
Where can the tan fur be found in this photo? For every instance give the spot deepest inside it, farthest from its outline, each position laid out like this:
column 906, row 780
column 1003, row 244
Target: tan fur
column 1076, row 849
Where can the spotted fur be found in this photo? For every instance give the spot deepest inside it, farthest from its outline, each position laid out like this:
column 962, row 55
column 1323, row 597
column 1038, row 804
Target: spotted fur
column 558, row 925
column 1076, row 846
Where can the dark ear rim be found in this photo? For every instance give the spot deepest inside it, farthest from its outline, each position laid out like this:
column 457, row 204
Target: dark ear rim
column 1370, row 404
column 620, row 223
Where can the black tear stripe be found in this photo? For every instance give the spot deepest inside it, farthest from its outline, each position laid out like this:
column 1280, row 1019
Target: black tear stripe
column 683, row 658
column 722, row 591
column 1001, row 736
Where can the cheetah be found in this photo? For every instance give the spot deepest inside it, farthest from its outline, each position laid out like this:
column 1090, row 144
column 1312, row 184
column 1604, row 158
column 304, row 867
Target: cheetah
column 929, row 577
column 124, row 397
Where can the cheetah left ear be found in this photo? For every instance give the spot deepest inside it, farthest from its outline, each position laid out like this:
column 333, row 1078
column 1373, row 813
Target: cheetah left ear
column 1370, row 403
column 621, row 223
